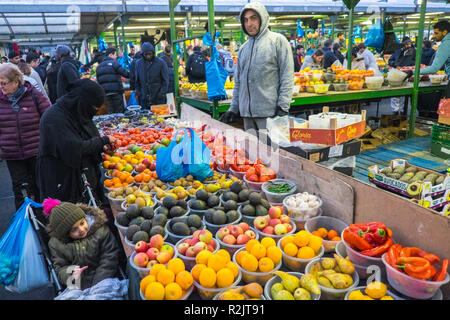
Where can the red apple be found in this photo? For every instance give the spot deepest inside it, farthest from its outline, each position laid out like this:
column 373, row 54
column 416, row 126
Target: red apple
column 168, row 248
column 280, row 229
column 194, row 241
column 141, row 260
column 141, row 246
column 152, row 253
column 210, row 248
column 205, row 236
column 157, row 241
column 251, row 234
column 268, row 230
column 236, row 231
column 274, row 222
column 260, row 223
column 196, row 234
column 190, row 252
column 289, row 227
column 140, row 168
column 146, row 162
column 163, row 257
column 182, row 247
column 151, row 263
column 229, row 239
column 212, row 243
column 244, row 226
column 199, row 246
column 284, row 218
column 275, row 212
column 222, row 232
column 153, row 166
column 243, row 239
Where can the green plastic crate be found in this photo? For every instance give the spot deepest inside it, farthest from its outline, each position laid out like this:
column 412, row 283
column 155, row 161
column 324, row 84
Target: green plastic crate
column 440, row 150
column 440, row 133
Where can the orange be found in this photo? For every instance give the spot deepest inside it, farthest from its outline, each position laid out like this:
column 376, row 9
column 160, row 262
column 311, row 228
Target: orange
column 165, row 277
column 155, row 291
column 274, row 253
column 173, row 291
column 203, row 257
column 225, row 278
column 130, row 179
column 176, row 265
column 138, row 178
column 323, row 232
column 208, row 278
column 331, row 234
column 265, row 264
column 301, row 238
column 196, row 271
column 217, row 262
column 233, row 267
column 157, row 268
column 224, row 253
column 316, row 233
column 250, row 244
column 146, row 178
column 268, row 242
column 291, row 249
column 286, row 240
column 108, row 183
column 259, row 251
column 144, row 282
column 249, row 263
column 315, row 243
column 184, row 279
column 336, row 239
column 306, row 253
column 239, row 256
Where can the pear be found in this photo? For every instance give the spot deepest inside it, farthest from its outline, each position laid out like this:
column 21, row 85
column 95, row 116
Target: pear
column 326, row 272
column 324, row 282
column 302, row 294
column 316, row 268
column 290, row 282
column 344, row 265
column 309, row 282
column 277, row 287
column 253, row 290
column 231, row 295
column 283, row 295
column 328, row 263
column 340, row 280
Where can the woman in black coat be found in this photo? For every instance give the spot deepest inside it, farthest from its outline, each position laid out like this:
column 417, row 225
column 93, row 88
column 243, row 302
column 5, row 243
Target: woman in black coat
column 70, row 142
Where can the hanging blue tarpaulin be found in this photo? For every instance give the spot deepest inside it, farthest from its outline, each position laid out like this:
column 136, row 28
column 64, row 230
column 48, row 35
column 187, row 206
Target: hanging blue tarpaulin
column 102, row 44
column 300, row 31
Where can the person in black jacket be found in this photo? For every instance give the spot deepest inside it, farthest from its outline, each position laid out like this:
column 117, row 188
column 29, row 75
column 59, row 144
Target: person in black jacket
column 152, row 79
column 427, row 53
column 195, row 66
column 329, row 57
column 405, row 56
column 108, row 76
column 52, row 78
column 337, row 52
column 68, row 73
column 299, row 56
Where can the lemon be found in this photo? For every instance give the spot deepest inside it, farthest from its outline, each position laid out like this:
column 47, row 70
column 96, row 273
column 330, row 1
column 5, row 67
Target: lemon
column 356, row 295
column 376, row 289
column 387, row 298
column 315, row 243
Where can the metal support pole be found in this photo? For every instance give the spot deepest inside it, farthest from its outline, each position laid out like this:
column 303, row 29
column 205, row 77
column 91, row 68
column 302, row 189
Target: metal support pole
column 115, row 39
column 332, row 30
column 415, row 93
column 429, row 29
column 350, row 39
column 124, row 40
column 211, row 23
column 404, row 27
column 173, row 37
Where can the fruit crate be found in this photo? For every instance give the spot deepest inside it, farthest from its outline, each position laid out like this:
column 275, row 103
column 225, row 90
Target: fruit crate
column 392, row 178
column 440, row 203
column 440, row 150
column 440, row 133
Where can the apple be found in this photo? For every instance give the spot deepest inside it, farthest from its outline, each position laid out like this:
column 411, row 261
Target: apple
column 251, row 234
column 157, row 241
column 274, row 222
column 182, row 247
column 236, row 231
column 141, row 246
column 280, row 229
column 284, row 218
column 141, row 259
column 222, row 232
column 210, row 248
column 146, row 162
column 190, row 252
column 188, row 241
column 275, row 212
column 244, row 226
column 140, row 168
column 212, row 243
column 229, row 239
column 199, row 246
column 268, row 230
column 163, row 257
column 196, row 234
column 151, row 263
column 152, row 253
column 243, row 239
column 205, row 236
column 260, row 223
column 168, row 248
column 153, row 166
column 289, row 227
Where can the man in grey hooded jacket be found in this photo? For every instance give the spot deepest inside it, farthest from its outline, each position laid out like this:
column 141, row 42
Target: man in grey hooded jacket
column 264, row 76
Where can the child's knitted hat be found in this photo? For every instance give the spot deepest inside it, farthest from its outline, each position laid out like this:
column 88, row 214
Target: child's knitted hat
column 63, row 215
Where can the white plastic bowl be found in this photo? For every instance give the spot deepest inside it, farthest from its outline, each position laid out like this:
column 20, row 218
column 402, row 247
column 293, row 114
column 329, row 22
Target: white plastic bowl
column 360, row 259
column 238, row 174
column 184, row 297
column 328, row 223
column 189, row 262
column 374, row 83
column 216, row 297
column 232, row 248
column 307, row 213
column 115, row 204
column 388, row 293
column 297, row 264
column 253, row 186
column 436, row 78
column 143, row 272
column 200, row 213
column 276, row 279
column 273, row 197
column 277, row 237
column 318, row 87
column 210, row 293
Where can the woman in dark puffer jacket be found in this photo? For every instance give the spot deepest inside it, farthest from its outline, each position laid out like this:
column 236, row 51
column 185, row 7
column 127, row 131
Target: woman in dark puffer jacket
column 21, row 108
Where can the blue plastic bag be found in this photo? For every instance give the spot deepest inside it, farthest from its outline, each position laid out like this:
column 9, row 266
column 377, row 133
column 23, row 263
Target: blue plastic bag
column 196, row 156
column 375, row 36
column 132, row 101
column 216, row 74
column 170, row 162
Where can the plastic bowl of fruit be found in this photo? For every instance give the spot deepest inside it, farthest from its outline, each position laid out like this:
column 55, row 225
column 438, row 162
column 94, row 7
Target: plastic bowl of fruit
column 296, row 89
column 238, row 174
column 356, row 85
column 329, row 76
column 210, row 293
column 297, row 264
column 436, row 78
column 143, row 272
column 329, row 223
column 310, row 88
column 359, row 258
column 374, row 83
column 316, row 76
column 215, row 227
column 342, row 86
column 363, row 273
column 274, row 236
column 232, row 248
column 321, row 88
column 216, row 297
column 189, row 262
column 172, row 237
column 397, row 83
column 356, row 77
column 185, row 296
column 276, row 279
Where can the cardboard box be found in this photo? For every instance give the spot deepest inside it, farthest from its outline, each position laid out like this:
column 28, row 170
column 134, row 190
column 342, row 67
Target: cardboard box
column 347, row 149
column 331, row 137
column 444, row 120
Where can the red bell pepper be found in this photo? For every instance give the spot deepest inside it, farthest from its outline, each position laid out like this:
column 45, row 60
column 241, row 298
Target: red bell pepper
column 393, row 254
column 379, row 250
column 356, row 241
column 442, row 272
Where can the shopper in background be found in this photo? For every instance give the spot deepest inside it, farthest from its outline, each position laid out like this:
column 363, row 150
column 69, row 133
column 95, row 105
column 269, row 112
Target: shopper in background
column 152, row 79
column 167, row 57
column 442, row 55
column 329, row 58
column 52, row 78
column 4, row 59
column 33, row 62
column 337, row 52
column 314, row 61
column 369, row 58
column 299, row 57
column 108, row 74
column 14, row 57
column 132, row 52
column 195, row 66
column 357, row 60
column 70, row 142
column 97, row 58
column 264, row 77
column 26, row 72
column 427, row 53
column 21, row 108
column 405, row 56
column 42, row 68
column 340, row 39
column 68, row 72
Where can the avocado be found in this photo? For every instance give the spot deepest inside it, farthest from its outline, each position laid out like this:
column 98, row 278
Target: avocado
column 255, row 198
column 157, row 230
column 230, row 205
column 176, row 211
column 146, row 225
column 194, row 221
column 122, row 219
column 230, row 196
column 208, row 215
column 140, row 236
column 133, row 211
column 232, row 216
column 169, row 202
column 159, row 220
column 265, row 204
column 162, row 210
column 181, row 229
column 213, row 201
column 131, row 231
column 248, row 210
column 137, row 221
column 202, row 194
column 147, row 212
column 219, row 217
column 243, row 195
column 236, row 187
column 182, row 203
column 261, row 211
column 198, row 205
